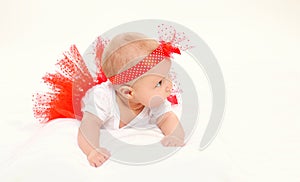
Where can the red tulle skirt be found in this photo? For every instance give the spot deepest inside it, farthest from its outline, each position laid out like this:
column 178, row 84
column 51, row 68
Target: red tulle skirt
column 67, row 86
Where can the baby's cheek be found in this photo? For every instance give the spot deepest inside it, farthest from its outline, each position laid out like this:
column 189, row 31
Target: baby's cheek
column 155, row 101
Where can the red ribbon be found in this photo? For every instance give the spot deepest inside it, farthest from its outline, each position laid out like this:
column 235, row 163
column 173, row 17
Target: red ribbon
column 168, row 48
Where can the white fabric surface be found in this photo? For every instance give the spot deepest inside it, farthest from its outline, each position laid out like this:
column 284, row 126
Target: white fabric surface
column 50, row 153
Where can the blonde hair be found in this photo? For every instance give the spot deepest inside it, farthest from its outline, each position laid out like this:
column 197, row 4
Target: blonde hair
column 124, row 51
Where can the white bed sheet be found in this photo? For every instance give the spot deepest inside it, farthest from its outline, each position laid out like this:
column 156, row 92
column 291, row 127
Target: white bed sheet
column 50, row 153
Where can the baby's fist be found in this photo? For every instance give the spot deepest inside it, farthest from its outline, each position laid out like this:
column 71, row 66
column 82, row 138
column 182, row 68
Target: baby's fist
column 98, row 156
column 172, row 141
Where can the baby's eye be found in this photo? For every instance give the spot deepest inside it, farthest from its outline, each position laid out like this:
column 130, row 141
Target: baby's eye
column 159, row 83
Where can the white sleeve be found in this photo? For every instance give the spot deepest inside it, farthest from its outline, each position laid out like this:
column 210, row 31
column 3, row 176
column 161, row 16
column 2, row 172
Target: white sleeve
column 160, row 110
column 97, row 101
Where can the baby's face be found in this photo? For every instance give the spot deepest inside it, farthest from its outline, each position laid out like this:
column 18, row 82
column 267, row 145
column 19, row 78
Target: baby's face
column 154, row 87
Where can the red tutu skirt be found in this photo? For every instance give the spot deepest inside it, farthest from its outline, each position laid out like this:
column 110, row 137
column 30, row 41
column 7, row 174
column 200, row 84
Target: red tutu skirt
column 67, row 86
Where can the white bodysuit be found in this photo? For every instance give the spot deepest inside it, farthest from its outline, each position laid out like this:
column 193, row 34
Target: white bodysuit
column 100, row 100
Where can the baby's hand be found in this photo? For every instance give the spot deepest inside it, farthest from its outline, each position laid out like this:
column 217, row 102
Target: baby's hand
column 172, row 141
column 98, row 156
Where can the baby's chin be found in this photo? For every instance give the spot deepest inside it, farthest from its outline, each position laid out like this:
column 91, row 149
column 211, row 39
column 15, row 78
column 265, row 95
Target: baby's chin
column 156, row 101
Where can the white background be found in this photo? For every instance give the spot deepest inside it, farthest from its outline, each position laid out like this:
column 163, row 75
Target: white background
column 256, row 43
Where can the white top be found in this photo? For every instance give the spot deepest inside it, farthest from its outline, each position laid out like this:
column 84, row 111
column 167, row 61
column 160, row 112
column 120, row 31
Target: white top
column 100, row 100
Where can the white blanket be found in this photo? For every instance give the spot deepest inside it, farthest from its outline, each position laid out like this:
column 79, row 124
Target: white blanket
column 50, row 153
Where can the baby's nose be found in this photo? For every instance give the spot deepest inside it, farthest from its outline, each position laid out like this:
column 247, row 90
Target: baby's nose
column 169, row 87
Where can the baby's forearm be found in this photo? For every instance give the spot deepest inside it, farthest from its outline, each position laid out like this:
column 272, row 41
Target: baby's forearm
column 83, row 144
column 89, row 133
column 178, row 132
column 170, row 125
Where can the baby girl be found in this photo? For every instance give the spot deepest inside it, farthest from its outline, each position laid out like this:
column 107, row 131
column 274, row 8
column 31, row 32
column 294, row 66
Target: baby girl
column 131, row 91
column 139, row 94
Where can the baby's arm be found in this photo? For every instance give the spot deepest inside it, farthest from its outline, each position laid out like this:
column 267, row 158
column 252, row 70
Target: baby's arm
column 88, row 140
column 172, row 129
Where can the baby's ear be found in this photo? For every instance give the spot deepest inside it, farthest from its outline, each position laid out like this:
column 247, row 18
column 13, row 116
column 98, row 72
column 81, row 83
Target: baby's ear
column 126, row 91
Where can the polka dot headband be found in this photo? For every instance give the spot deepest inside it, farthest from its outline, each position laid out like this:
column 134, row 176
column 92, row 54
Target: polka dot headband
column 164, row 50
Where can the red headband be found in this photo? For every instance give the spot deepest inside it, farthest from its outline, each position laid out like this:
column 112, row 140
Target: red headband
column 164, row 50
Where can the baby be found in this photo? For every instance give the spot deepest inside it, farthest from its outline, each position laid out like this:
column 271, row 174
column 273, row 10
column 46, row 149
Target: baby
column 137, row 68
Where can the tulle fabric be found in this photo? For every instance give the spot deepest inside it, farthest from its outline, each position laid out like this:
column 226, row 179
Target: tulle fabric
column 67, row 86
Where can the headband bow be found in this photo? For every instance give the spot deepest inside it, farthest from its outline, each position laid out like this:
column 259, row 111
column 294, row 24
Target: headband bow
column 168, row 48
